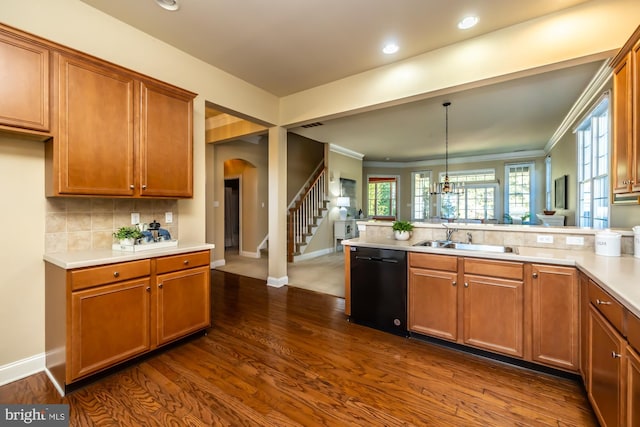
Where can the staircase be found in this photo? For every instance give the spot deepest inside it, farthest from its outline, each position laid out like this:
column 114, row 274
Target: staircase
column 306, row 213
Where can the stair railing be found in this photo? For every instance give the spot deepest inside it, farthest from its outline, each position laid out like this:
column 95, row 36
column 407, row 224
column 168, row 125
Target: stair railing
column 303, row 213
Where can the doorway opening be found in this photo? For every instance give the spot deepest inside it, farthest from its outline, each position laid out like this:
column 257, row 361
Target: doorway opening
column 232, row 232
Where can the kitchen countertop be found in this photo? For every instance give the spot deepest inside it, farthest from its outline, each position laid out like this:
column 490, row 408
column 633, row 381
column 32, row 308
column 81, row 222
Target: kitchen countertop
column 620, row 276
column 70, row 260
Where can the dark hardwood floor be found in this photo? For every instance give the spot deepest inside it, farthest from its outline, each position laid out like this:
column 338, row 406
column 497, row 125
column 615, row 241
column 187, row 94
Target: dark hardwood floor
column 289, row 357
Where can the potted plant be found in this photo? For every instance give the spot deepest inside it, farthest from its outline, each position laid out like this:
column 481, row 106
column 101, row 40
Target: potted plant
column 402, row 230
column 128, row 235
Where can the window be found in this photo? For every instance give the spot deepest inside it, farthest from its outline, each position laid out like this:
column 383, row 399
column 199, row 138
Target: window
column 519, row 191
column 548, row 184
column 478, row 202
column 421, row 182
column 382, row 196
column 593, row 167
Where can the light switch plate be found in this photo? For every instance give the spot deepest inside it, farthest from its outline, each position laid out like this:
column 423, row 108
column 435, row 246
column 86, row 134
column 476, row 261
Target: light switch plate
column 135, row 218
column 168, row 217
column 544, row 238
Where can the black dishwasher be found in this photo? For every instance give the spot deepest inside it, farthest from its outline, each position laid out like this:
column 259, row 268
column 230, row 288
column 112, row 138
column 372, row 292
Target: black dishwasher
column 379, row 289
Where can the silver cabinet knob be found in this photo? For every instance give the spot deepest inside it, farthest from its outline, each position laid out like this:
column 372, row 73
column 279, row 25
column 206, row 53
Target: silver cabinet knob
column 535, row 275
column 132, row 186
column 186, row 262
column 454, row 283
column 160, row 285
column 148, row 289
column 144, row 187
column 466, row 285
column 116, row 274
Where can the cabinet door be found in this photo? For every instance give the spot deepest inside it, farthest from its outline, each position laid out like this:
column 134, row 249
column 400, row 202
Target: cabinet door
column 494, row 314
column 635, row 137
column 93, row 154
column 622, row 130
column 166, row 142
column 183, row 303
column 633, row 388
column 24, row 84
column 555, row 316
column 433, row 303
column 109, row 324
column 605, row 365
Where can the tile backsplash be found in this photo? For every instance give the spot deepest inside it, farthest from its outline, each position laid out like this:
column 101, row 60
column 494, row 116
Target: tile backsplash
column 78, row 224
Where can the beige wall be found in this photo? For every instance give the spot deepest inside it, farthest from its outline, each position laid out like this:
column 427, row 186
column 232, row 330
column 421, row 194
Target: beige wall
column 303, row 156
column 22, row 273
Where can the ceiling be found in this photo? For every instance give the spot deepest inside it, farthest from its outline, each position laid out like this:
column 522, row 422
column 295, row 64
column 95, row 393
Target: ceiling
column 285, row 46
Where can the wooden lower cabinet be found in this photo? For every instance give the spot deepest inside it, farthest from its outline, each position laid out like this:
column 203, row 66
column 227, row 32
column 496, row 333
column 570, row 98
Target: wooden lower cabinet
column 584, row 328
column 102, row 335
column 606, row 387
column 494, row 314
column 183, row 303
column 433, row 303
column 633, row 387
column 97, row 317
column 555, row 305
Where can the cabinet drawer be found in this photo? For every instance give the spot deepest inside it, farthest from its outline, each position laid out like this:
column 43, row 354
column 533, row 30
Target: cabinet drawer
column 483, row 267
column 93, row 276
column 182, row 261
column 611, row 309
column 633, row 331
column 433, row 262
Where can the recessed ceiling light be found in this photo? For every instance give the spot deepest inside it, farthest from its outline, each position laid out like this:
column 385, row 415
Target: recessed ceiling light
column 468, row 22
column 390, row 48
column 171, row 5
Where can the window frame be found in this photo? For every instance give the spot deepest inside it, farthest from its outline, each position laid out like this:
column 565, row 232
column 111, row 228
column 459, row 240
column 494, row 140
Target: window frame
column 396, row 179
column 491, row 183
column 602, row 108
column 414, row 196
column 532, row 187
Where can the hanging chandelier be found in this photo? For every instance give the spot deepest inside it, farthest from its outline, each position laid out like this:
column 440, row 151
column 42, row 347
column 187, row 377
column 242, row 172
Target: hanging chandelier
column 447, row 187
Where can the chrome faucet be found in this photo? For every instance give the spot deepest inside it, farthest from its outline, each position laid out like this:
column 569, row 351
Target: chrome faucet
column 450, row 231
column 469, row 237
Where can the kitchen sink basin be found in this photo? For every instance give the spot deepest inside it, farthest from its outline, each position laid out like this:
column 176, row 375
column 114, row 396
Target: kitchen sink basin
column 464, row 246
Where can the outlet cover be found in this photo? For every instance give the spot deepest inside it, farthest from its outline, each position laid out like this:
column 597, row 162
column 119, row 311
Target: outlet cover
column 545, row 238
column 168, row 217
column 575, row 240
column 135, row 218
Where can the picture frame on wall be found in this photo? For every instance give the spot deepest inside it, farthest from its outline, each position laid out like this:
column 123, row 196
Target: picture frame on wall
column 348, row 189
column 561, row 192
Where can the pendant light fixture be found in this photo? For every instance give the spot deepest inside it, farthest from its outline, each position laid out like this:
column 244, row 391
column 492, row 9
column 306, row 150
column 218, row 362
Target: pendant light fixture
column 447, row 187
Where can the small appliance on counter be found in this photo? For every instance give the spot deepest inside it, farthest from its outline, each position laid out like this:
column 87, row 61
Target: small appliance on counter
column 636, row 241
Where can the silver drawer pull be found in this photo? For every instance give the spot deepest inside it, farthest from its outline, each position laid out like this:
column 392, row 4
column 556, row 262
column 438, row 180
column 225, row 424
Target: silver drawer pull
column 616, row 355
column 116, row 274
column 454, row 283
column 186, row 262
column 601, row 302
column 466, row 285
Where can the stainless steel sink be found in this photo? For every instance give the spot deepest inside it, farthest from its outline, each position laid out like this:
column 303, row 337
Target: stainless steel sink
column 445, row 244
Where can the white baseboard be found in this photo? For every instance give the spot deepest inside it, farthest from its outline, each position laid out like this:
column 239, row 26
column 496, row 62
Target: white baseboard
column 314, row 254
column 218, row 263
column 21, row 368
column 277, row 282
column 54, row 382
column 250, row 254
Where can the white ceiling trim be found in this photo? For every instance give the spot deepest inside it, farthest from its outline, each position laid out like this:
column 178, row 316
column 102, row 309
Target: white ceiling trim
column 519, row 155
column 345, row 152
column 591, row 92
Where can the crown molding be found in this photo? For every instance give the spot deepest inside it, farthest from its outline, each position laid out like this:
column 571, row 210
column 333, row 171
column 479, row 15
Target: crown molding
column 345, row 151
column 517, row 155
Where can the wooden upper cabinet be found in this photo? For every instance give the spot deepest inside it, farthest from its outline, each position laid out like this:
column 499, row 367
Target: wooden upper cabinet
column 625, row 163
column 93, row 151
column 555, row 308
column 166, row 142
column 118, row 134
column 24, row 83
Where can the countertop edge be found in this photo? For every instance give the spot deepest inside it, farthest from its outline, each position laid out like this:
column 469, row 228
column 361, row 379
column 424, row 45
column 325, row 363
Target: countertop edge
column 71, row 260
